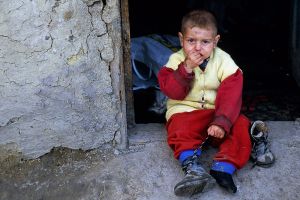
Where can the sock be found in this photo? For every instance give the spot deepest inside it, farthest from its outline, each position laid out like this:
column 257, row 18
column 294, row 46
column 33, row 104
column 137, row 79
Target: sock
column 187, row 153
column 224, row 180
column 223, row 167
column 222, row 172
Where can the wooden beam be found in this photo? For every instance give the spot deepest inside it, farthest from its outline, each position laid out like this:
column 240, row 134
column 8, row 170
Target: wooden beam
column 127, row 71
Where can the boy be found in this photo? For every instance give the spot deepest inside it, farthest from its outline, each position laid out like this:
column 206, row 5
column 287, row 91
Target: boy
column 204, row 87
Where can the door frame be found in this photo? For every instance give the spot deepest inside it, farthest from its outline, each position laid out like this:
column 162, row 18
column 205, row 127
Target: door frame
column 126, row 69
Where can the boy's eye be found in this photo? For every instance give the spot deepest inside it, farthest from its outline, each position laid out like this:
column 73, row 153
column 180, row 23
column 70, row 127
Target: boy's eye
column 191, row 41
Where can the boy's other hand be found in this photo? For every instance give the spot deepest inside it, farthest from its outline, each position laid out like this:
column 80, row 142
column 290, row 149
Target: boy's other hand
column 216, row 131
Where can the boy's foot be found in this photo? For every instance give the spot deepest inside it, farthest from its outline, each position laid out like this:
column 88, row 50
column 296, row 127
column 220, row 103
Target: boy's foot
column 196, row 179
column 261, row 153
column 224, row 180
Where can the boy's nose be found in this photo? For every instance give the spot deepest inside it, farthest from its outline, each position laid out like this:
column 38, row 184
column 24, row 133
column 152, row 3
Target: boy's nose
column 198, row 46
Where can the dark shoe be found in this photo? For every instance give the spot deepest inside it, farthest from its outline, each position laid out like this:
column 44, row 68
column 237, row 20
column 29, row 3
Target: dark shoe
column 261, row 153
column 196, row 179
column 224, row 180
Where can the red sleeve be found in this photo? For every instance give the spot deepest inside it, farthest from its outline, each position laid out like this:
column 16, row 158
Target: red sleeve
column 175, row 84
column 229, row 101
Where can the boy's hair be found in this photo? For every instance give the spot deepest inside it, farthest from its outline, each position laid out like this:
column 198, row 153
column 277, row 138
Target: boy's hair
column 199, row 18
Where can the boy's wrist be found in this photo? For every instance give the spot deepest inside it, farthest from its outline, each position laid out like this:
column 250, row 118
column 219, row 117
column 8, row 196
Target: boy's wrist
column 187, row 68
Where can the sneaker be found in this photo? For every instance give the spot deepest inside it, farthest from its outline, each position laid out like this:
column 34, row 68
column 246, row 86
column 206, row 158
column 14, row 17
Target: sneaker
column 261, row 153
column 196, row 179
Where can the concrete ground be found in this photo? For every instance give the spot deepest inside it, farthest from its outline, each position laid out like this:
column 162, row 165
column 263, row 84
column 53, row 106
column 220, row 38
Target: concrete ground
column 147, row 171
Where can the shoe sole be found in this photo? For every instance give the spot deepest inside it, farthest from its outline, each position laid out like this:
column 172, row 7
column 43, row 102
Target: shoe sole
column 194, row 186
column 265, row 165
column 262, row 164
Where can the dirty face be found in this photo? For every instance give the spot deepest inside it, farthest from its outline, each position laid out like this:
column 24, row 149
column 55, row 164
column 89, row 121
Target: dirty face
column 199, row 40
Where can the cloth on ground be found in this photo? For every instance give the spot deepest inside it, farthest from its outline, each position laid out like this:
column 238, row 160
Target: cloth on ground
column 148, row 54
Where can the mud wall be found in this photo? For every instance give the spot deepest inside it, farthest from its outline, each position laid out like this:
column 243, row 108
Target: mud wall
column 60, row 75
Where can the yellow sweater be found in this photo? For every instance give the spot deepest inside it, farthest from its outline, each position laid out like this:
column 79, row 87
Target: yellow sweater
column 206, row 83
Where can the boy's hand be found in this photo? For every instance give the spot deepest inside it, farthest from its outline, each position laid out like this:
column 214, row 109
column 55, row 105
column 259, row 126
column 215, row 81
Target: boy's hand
column 193, row 59
column 216, row 131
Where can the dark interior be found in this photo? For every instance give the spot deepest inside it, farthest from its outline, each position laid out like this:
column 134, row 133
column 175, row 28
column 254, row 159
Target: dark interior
column 255, row 33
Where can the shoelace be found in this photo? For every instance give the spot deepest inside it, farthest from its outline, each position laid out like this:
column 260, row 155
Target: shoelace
column 190, row 162
column 199, row 148
column 187, row 165
column 261, row 147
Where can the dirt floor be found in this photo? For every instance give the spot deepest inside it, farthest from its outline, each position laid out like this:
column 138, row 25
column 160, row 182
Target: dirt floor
column 147, row 170
column 53, row 176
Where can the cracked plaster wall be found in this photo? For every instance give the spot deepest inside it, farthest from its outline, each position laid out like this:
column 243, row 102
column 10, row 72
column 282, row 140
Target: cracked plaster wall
column 59, row 75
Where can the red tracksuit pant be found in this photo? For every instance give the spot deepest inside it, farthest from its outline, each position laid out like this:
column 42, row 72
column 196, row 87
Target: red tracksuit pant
column 188, row 130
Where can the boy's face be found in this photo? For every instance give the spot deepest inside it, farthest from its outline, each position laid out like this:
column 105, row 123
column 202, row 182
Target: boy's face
column 199, row 40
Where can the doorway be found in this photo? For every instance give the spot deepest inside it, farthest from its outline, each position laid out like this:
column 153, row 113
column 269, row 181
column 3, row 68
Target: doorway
column 255, row 33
